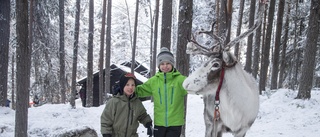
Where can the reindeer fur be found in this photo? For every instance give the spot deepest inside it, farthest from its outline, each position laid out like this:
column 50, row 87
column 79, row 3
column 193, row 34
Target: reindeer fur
column 239, row 96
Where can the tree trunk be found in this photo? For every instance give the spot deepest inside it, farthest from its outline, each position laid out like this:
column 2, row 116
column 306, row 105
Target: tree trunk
column 293, row 77
column 23, row 69
column 266, row 49
column 236, row 47
column 256, row 50
column 263, row 43
column 108, row 47
column 222, row 20
column 75, row 54
column 4, row 50
column 248, row 63
column 151, row 39
column 166, row 24
column 89, row 91
column 154, row 53
column 46, row 82
column 257, row 45
column 275, row 64
column 174, row 25
column 284, row 49
column 62, row 53
column 296, row 61
column 128, row 15
column 229, row 19
column 133, row 61
column 184, row 29
column 101, row 55
column 13, row 102
column 308, row 66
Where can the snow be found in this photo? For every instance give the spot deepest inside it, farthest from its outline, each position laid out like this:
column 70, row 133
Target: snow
column 280, row 115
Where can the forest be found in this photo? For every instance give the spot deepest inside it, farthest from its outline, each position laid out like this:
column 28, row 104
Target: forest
column 48, row 45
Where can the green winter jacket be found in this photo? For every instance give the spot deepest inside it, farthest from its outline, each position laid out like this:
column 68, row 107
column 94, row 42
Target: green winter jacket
column 121, row 116
column 168, row 96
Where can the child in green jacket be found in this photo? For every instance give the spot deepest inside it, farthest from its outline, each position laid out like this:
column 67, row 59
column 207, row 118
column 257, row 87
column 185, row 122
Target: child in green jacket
column 168, row 95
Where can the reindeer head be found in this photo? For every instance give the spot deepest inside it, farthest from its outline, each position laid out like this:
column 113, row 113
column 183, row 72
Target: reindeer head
column 209, row 72
column 199, row 79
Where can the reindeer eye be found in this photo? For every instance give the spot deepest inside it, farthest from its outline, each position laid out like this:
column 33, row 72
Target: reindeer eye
column 216, row 65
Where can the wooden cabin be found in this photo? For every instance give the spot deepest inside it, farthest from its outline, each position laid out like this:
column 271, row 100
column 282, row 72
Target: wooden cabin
column 115, row 72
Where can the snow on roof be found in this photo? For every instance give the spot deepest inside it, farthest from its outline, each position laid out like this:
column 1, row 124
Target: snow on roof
column 127, row 69
column 124, row 68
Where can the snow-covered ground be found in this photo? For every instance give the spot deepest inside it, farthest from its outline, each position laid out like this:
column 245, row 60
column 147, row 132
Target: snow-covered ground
column 280, row 115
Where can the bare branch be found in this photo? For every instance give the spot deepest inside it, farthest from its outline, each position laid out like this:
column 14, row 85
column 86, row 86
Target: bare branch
column 252, row 29
column 212, row 34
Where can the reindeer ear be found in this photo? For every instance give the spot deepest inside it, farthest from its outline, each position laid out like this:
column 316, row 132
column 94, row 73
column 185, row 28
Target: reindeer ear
column 228, row 58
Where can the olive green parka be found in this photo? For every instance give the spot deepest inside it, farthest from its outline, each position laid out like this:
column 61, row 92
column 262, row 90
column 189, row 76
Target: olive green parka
column 121, row 116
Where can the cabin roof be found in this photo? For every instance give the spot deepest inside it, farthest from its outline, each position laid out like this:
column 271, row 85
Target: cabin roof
column 116, row 68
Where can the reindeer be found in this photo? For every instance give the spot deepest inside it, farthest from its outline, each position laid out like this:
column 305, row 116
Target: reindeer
column 231, row 95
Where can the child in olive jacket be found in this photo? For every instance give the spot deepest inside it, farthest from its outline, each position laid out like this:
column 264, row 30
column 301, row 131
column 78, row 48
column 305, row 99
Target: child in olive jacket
column 123, row 112
column 168, row 95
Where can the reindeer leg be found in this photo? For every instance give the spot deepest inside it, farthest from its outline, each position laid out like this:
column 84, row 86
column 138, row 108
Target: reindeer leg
column 241, row 132
column 218, row 129
column 240, row 135
column 207, row 117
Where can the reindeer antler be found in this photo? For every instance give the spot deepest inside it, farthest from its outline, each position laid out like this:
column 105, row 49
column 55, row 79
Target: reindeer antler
column 257, row 23
column 212, row 34
column 193, row 47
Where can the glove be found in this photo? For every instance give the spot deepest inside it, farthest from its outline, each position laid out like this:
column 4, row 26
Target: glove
column 106, row 135
column 149, row 132
column 149, row 129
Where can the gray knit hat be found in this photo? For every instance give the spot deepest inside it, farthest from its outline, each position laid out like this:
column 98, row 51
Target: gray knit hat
column 165, row 55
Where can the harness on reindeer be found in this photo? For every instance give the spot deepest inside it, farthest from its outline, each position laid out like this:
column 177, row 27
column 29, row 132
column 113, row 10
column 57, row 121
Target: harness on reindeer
column 217, row 97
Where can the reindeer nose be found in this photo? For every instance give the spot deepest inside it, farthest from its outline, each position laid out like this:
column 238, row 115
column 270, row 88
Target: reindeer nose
column 185, row 86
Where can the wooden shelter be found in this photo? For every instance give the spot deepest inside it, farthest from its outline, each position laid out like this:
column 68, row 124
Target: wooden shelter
column 115, row 72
